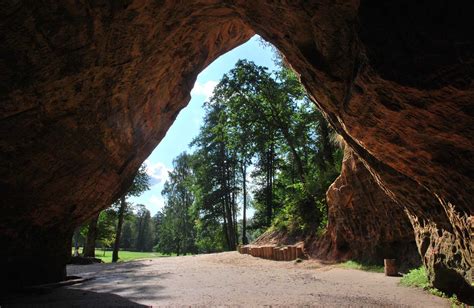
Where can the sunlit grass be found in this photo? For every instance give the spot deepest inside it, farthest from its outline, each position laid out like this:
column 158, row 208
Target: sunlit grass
column 125, row 255
column 419, row 278
column 363, row 267
column 416, row 278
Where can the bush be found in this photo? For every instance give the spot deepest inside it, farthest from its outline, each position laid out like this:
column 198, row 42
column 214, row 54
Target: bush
column 419, row 278
column 416, row 278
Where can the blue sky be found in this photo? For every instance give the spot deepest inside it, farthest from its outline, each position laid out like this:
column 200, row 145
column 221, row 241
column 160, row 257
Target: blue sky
column 189, row 120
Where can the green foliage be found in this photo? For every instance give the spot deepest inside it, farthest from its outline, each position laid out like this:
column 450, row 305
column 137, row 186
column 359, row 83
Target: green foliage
column 418, row 277
column 140, row 184
column 106, row 227
column 363, row 267
column 176, row 232
column 144, row 229
column 263, row 122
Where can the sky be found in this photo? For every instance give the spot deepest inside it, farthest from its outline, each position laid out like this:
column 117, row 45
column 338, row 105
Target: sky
column 190, row 119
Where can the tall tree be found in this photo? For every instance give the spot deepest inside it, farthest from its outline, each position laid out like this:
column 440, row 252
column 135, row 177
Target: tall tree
column 139, row 185
column 177, row 233
column 89, row 247
column 143, row 225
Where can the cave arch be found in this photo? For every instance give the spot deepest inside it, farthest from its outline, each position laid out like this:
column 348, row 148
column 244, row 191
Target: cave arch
column 89, row 89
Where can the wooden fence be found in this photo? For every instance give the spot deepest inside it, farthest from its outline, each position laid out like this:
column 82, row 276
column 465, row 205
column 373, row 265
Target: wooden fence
column 281, row 253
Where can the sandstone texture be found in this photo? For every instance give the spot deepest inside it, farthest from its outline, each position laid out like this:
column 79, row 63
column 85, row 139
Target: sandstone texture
column 364, row 223
column 89, row 88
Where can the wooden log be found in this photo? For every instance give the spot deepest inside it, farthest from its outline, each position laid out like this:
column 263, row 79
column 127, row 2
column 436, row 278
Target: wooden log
column 292, row 250
column 390, row 267
column 275, row 254
column 299, row 252
column 270, row 252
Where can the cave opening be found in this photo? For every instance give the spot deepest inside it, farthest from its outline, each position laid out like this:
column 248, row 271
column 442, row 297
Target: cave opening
column 86, row 100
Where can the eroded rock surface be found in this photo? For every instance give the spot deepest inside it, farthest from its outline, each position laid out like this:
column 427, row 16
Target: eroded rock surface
column 364, row 223
column 88, row 89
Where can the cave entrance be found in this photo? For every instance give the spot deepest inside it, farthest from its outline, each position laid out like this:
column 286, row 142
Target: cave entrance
column 88, row 96
column 278, row 154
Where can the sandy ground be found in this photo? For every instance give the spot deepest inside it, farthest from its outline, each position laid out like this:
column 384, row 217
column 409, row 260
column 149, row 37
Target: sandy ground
column 227, row 279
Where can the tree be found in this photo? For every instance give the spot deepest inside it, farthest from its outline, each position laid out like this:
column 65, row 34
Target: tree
column 217, row 171
column 106, row 226
column 89, row 248
column 129, row 233
column 259, row 125
column 268, row 116
column 139, row 185
column 177, row 232
column 144, row 229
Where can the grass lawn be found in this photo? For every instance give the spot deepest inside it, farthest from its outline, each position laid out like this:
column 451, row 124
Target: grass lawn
column 125, row 255
column 363, row 267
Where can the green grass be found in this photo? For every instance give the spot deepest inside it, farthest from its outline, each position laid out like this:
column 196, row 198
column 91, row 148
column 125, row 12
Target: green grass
column 419, row 278
column 416, row 278
column 363, row 267
column 125, row 255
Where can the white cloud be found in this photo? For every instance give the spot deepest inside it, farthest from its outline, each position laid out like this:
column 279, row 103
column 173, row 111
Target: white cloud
column 204, row 89
column 156, row 203
column 158, row 172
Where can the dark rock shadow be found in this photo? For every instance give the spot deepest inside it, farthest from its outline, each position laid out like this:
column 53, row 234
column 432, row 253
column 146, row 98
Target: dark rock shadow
column 66, row 297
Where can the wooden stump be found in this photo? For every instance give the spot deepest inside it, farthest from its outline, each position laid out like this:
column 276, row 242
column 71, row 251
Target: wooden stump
column 275, row 254
column 269, row 252
column 299, row 252
column 292, row 252
column 390, row 267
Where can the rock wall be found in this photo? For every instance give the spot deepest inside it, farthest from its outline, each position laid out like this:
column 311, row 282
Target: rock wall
column 89, row 88
column 364, row 223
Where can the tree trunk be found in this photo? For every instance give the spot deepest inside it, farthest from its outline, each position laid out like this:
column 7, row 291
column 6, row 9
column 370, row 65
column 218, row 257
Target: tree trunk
column 244, row 218
column 89, row 247
column 123, row 207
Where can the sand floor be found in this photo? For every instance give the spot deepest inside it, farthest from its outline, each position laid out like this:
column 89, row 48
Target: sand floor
column 226, row 279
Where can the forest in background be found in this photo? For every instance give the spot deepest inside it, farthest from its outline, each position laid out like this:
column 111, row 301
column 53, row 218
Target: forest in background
column 263, row 145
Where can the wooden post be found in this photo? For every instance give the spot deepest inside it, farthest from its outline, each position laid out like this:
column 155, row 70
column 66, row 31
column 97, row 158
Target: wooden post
column 292, row 252
column 390, row 267
column 299, row 252
column 275, row 253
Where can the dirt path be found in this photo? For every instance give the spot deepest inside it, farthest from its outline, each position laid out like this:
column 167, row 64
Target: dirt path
column 231, row 279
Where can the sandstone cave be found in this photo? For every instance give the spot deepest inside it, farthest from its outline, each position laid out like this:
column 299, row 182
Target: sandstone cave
column 88, row 89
